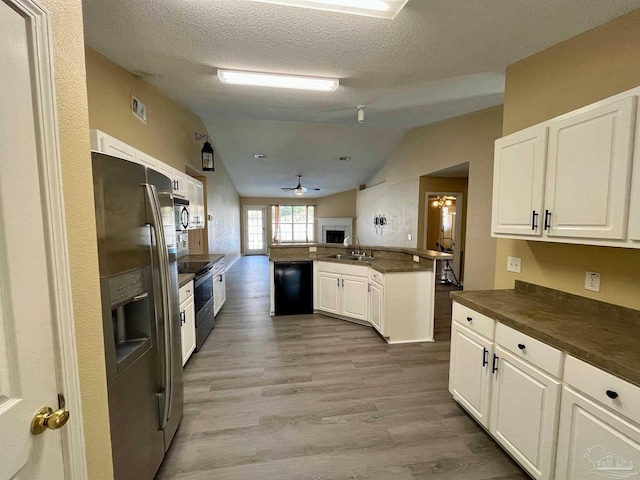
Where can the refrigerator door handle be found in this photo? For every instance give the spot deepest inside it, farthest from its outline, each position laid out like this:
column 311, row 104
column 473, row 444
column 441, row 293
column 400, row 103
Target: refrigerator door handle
column 163, row 266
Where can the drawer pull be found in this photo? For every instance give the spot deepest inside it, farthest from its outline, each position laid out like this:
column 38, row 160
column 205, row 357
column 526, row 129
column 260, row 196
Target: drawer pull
column 521, row 346
column 469, row 319
column 485, row 357
column 611, row 394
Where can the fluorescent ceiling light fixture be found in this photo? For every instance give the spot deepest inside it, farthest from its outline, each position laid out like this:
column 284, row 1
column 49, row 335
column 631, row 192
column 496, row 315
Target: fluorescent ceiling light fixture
column 278, row 81
column 370, row 8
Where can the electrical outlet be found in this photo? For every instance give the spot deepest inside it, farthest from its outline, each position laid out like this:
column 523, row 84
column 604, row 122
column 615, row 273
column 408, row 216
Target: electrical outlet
column 409, row 237
column 416, row 258
column 592, row 281
column 313, row 249
column 513, row 264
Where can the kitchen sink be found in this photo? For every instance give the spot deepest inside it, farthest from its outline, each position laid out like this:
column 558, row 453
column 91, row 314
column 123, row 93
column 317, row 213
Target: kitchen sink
column 359, row 258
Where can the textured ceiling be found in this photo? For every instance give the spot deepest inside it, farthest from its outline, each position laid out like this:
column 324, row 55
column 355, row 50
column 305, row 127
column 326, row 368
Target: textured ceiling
column 436, row 60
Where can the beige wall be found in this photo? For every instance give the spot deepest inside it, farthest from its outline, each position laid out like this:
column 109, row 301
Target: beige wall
column 73, row 127
column 580, row 71
column 340, row 205
column 169, row 136
column 431, row 148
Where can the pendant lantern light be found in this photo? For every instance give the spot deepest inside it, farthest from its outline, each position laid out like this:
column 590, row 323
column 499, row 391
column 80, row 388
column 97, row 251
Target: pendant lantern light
column 206, row 153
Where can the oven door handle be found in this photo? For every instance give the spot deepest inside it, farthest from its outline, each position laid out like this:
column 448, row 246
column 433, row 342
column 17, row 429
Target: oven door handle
column 162, row 258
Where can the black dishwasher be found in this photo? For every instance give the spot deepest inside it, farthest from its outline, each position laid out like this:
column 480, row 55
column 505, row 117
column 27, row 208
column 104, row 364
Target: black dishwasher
column 293, row 287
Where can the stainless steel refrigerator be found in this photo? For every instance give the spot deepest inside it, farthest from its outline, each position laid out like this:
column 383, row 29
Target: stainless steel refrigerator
column 139, row 287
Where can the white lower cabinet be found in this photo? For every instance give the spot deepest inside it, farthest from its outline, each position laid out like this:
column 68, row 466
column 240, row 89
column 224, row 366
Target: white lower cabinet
column 219, row 292
column 599, row 434
column 187, row 321
column 507, row 382
column 343, row 290
column 470, row 371
column 376, row 306
column 524, row 412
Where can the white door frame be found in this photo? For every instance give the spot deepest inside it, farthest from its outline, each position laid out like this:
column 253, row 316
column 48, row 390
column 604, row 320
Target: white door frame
column 245, row 209
column 456, row 262
column 49, row 163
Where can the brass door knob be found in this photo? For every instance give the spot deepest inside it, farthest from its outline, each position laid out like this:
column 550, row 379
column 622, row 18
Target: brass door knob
column 46, row 418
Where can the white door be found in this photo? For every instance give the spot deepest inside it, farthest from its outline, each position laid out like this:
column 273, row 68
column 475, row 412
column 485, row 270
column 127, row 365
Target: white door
column 329, row 292
column 255, row 230
column 524, row 413
column 376, row 307
column 470, row 371
column 588, row 171
column 355, row 296
column 593, row 442
column 30, row 289
column 518, row 182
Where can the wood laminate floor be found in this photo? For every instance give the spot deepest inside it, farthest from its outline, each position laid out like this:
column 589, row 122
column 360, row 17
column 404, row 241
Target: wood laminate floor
column 309, row 397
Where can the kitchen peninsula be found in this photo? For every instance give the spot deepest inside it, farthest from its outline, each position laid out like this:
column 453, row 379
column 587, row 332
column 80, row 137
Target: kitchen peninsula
column 391, row 289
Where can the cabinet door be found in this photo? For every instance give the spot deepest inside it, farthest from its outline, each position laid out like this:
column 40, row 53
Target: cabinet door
column 524, row 413
column 588, row 173
column 112, row 146
column 180, row 183
column 376, row 307
column 470, row 372
column 355, row 296
column 518, row 182
column 219, row 292
column 595, row 442
column 199, row 200
column 634, row 204
column 188, row 330
column 329, row 292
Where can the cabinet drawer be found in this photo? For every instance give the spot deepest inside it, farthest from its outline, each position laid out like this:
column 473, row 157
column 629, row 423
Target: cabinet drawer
column 185, row 292
column 375, row 276
column 601, row 385
column 533, row 351
column 343, row 268
column 477, row 322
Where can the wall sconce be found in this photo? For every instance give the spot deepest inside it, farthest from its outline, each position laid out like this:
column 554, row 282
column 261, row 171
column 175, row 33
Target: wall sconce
column 206, row 152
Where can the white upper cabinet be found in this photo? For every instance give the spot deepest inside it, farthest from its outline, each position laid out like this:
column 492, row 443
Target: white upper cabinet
column 179, row 183
column 570, row 179
column 518, row 178
column 104, row 143
column 589, row 166
column 166, row 170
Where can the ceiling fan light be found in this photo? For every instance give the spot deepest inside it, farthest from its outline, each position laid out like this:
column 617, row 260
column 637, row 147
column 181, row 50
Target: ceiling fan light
column 273, row 80
column 298, row 191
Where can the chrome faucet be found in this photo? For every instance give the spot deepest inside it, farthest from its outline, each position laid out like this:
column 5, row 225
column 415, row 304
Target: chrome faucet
column 357, row 243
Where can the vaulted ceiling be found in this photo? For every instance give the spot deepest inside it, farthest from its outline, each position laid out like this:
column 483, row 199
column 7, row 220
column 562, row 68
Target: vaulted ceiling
column 436, row 60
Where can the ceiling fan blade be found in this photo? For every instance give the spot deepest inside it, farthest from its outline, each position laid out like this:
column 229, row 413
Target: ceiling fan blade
column 288, row 188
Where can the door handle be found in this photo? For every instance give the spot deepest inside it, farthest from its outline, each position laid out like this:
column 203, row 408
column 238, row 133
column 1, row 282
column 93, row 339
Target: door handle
column 534, row 223
column 46, row 418
column 494, row 366
column 547, row 218
column 485, row 357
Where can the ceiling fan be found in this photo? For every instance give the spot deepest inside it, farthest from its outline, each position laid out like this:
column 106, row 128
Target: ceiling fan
column 299, row 189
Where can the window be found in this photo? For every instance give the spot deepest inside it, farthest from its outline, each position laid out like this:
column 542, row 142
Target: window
column 292, row 223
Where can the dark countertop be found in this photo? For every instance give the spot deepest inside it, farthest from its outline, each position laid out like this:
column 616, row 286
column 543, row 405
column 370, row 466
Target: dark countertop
column 599, row 333
column 212, row 257
column 184, row 278
column 385, row 259
column 429, row 254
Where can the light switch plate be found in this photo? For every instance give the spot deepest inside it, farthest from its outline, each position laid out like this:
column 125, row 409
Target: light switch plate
column 409, row 236
column 513, row 264
column 592, row 281
column 416, row 258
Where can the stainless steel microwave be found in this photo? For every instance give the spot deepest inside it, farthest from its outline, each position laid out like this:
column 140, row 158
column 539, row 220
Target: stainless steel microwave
column 181, row 208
